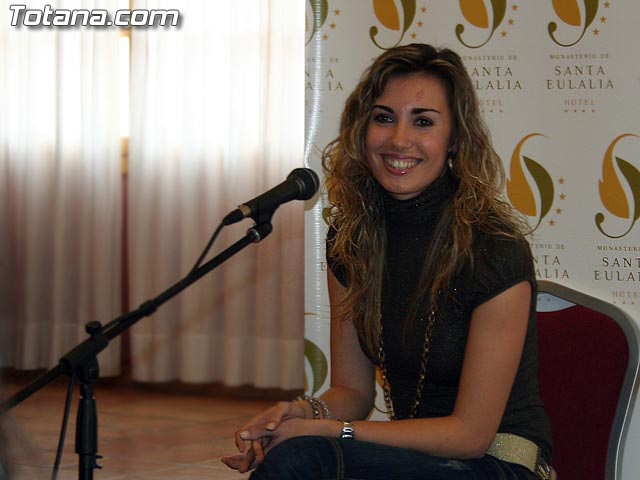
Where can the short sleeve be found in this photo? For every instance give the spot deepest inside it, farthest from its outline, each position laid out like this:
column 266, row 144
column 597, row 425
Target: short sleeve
column 499, row 263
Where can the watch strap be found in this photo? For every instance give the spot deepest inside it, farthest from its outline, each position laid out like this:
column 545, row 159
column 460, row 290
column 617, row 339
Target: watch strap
column 347, row 430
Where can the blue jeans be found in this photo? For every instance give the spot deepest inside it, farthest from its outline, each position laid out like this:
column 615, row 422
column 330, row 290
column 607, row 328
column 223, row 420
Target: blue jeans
column 323, row 458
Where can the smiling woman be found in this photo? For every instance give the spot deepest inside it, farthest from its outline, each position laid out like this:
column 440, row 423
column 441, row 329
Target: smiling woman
column 431, row 280
column 409, row 133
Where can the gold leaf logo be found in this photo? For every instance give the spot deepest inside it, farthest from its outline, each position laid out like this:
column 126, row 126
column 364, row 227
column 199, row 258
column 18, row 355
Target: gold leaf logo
column 319, row 365
column 393, row 18
column 316, row 16
column 520, row 192
column 612, row 193
column 568, row 11
column 475, row 12
column 387, row 12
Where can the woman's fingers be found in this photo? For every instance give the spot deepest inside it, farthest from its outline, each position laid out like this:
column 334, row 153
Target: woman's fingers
column 248, row 462
column 242, row 462
column 233, row 461
column 240, row 443
column 269, row 419
column 258, row 449
column 255, row 433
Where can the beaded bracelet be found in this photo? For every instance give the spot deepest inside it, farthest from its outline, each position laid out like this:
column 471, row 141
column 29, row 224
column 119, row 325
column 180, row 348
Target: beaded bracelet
column 316, row 404
column 314, row 408
column 325, row 407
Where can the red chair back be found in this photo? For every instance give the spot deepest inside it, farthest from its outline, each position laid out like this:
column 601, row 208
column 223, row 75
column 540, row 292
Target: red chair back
column 588, row 367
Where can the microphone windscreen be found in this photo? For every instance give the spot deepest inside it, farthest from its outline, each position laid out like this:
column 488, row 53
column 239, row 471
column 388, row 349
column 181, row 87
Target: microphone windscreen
column 308, row 181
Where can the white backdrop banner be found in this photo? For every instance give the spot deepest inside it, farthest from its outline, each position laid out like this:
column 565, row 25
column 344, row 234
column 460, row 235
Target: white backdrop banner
column 559, row 86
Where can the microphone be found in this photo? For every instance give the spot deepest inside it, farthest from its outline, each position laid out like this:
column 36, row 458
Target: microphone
column 301, row 184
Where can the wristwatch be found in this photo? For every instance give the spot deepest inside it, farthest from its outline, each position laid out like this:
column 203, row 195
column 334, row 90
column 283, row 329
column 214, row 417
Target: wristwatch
column 347, row 430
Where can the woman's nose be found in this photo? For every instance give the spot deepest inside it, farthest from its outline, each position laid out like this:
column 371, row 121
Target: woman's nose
column 401, row 137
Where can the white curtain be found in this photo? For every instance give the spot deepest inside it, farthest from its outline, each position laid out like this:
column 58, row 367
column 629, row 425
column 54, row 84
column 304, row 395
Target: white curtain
column 60, row 188
column 217, row 118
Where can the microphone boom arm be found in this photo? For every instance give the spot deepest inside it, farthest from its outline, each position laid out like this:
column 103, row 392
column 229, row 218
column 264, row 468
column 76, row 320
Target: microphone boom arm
column 83, row 358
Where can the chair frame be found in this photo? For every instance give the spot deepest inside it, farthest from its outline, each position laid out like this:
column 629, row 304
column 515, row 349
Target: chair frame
column 628, row 391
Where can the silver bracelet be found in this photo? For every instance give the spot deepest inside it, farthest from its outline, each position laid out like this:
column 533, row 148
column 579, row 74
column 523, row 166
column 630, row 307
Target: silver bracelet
column 310, row 400
column 325, row 407
column 316, row 404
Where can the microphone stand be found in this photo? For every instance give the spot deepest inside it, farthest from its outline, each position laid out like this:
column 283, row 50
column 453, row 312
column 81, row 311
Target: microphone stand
column 83, row 358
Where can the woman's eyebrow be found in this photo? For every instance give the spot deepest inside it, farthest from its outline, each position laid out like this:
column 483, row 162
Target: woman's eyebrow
column 415, row 111
column 419, row 110
column 383, row 107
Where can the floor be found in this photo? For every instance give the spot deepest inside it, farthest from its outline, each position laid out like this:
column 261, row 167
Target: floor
column 143, row 433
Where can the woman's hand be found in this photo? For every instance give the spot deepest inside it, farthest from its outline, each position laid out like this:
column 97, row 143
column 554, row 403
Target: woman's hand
column 267, row 421
column 266, row 438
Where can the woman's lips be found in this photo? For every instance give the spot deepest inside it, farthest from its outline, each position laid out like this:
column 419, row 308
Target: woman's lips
column 399, row 164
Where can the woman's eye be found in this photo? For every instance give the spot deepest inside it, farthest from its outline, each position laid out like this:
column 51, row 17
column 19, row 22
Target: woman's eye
column 382, row 118
column 424, row 122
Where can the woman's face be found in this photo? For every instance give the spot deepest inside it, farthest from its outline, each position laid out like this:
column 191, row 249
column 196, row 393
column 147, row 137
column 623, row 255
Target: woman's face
column 408, row 134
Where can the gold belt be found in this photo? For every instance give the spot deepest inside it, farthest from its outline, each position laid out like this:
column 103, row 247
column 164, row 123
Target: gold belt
column 515, row 449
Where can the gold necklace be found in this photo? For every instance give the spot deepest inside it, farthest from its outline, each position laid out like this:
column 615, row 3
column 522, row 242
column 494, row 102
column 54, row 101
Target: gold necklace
column 423, row 368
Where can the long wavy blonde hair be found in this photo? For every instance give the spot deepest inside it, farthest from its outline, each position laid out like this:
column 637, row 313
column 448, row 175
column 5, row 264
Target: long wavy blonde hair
column 357, row 214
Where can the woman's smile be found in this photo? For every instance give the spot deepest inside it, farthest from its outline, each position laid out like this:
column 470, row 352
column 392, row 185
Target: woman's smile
column 408, row 134
column 399, row 164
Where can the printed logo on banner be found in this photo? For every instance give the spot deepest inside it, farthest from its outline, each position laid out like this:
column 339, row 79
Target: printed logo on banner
column 396, row 18
column 618, row 262
column 622, row 201
column 319, row 367
column 576, row 18
column 316, row 16
column 547, row 256
column 583, row 78
column 521, row 193
column 494, row 76
column 322, row 73
column 485, row 22
column 317, row 13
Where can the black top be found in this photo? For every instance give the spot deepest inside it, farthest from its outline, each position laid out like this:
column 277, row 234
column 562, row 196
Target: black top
column 499, row 263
